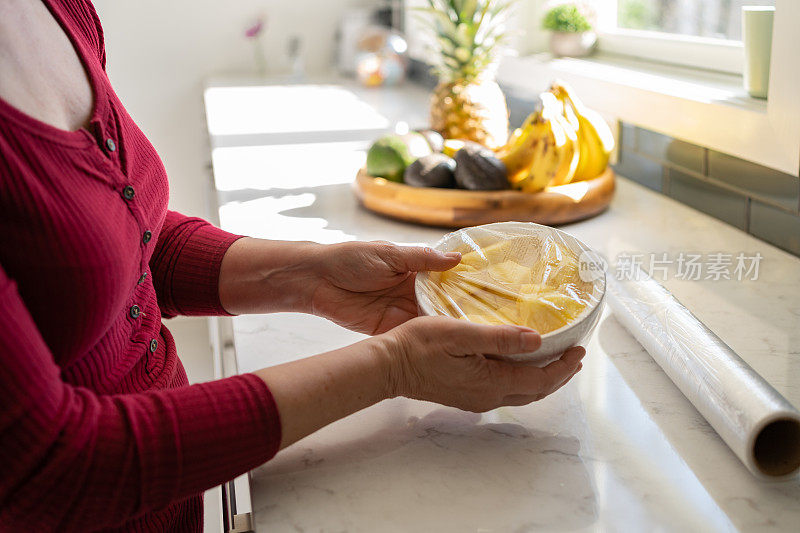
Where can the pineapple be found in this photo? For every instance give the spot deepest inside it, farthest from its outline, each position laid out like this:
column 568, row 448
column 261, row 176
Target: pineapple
column 467, row 103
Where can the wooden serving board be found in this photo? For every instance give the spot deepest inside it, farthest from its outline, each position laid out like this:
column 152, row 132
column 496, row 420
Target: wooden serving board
column 458, row 208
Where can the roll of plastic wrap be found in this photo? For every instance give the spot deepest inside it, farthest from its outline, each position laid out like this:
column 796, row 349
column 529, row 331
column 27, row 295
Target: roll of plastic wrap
column 755, row 421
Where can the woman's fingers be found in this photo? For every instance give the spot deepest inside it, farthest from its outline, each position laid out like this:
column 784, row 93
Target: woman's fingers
column 441, row 360
column 460, row 337
column 567, row 380
column 565, row 365
column 525, row 399
column 417, row 258
column 521, row 399
column 564, row 381
column 532, row 381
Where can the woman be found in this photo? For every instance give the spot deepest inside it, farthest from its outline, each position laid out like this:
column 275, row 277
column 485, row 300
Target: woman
column 98, row 427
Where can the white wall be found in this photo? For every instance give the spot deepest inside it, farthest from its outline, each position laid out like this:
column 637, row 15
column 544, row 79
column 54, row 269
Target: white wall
column 159, row 53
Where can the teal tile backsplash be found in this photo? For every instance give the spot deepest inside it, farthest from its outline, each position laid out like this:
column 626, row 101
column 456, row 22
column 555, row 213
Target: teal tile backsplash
column 708, row 198
column 770, row 186
column 648, row 172
column 663, row 148
column 627, row 134
column 776, row 226
column 756, row 199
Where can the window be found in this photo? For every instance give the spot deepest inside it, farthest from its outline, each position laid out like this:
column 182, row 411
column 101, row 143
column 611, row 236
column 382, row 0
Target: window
column 702, row 107
column 697, row 33
column 715, row 19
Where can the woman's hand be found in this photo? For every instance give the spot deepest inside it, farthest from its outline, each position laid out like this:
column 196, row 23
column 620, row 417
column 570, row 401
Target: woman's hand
column 364, row 286
column 438, row 359
column 369, row 286
column 449, row 361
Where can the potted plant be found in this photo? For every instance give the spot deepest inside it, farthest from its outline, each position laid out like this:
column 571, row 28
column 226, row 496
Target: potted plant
column 572, row 33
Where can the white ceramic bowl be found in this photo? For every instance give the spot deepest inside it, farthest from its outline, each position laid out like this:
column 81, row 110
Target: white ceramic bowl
column 557, row 341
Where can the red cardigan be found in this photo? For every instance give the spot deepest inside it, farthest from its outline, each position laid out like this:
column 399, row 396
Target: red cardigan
column 98, row 426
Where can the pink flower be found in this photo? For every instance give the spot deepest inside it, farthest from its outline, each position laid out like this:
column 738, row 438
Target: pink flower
column 254, row 30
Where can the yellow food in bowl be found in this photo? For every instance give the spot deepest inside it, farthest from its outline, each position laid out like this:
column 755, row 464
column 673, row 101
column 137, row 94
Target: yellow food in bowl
column 531, row 281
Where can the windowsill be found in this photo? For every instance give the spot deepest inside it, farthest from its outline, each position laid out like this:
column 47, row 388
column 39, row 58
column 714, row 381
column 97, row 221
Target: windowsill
column 710, row 109
column 696, row 85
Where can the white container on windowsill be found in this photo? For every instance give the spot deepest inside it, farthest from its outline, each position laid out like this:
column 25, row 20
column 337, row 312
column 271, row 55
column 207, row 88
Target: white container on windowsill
column 572, row 44
column 757, row 38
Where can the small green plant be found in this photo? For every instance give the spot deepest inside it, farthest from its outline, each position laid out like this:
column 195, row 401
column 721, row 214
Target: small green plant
column 638, row 15
column 566, row 18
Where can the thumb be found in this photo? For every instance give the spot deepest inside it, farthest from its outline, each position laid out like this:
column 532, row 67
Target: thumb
column 423, row 258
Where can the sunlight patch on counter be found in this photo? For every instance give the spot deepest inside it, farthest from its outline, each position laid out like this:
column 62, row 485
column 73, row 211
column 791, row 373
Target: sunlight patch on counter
column 274, row 109
column 264, row 218
column 287, row 166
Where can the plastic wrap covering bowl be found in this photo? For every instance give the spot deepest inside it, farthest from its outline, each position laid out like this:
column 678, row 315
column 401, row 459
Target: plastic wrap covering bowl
column 523, row 274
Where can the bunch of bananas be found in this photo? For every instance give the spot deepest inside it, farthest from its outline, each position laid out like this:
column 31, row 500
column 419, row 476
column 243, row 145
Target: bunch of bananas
column 561, row 142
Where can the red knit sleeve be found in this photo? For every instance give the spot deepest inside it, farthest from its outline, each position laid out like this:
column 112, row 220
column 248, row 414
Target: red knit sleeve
column 186, row 265
column 69, row 454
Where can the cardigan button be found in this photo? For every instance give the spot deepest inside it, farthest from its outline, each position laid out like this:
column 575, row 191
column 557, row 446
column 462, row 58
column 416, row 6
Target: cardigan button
column 154, row 345
column 111, row 145
column 128, row 192
column 146, row 236
column 142, row 278
column 135, row 311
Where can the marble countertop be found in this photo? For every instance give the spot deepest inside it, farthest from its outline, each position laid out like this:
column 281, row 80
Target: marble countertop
column 250, row 111
column 618, row 449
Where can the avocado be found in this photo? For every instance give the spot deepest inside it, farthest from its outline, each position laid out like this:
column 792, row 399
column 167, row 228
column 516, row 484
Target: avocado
column 434, row 138
column 389, row 156
column 434, row 170
column 418, row 145
column 478, row 169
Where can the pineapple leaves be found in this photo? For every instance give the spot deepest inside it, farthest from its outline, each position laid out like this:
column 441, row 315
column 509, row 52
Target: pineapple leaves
column 484, row 10
column 463, row 36
column 440, row 22
column 467, row 11
column 448, row 47
column 469, row 33
column 445, row 7
column 499, row 8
